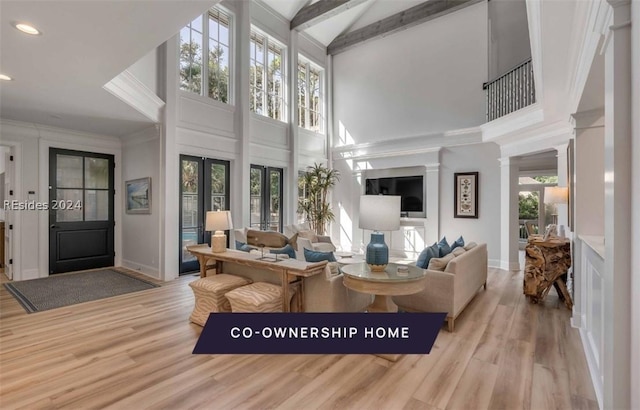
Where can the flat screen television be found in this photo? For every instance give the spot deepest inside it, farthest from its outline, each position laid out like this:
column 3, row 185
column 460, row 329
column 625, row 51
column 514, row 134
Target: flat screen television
column 410, row 189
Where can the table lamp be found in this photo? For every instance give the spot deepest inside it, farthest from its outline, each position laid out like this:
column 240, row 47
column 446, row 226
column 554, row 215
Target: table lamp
column 556, row 195
column 379, row 213
column 218, row 222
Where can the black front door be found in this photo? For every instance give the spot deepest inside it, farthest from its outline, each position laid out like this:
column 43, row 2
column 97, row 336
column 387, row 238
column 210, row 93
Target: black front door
column 266, row 198
column 204, row 186
column 81, row 212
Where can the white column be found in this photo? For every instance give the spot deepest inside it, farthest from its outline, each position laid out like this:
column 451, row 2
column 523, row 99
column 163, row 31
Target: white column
column 169, row 190
column 241, row 172
column 617, row 168
column 563, row 209
column 635, row 199
column 509, row 214
column 432, row 225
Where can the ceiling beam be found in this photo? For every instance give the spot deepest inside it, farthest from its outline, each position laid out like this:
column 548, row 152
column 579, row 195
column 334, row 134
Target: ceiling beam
column 320, row 11
column 426, row 11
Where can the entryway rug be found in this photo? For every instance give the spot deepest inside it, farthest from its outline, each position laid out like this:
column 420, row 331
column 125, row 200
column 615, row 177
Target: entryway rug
column 68, row 289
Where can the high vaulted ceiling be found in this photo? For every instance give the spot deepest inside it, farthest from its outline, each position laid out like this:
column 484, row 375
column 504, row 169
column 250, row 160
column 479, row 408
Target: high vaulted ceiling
column 58, row 76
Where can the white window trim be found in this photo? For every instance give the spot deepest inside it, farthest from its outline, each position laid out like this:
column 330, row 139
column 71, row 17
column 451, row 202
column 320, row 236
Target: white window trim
column 283, row 68
column 302, row 60
column 204, row 86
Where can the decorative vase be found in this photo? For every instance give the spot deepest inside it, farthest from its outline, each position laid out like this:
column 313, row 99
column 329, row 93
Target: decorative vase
column 377, row 252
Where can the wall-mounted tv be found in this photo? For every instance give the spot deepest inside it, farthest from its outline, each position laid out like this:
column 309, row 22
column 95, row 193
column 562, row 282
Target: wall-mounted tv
column 410, row 189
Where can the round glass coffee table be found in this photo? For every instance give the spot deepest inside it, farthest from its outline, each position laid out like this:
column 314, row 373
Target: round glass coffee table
column 395, row 280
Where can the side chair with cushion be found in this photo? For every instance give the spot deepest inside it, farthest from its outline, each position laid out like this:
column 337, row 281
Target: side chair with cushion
column 307, row 239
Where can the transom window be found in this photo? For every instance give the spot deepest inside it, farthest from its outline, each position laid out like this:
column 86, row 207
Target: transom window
column 205, row 55
column 310, row 114
column 266, row 84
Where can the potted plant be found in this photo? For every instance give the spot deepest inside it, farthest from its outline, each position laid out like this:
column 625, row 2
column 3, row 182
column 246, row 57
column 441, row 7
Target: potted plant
column 313, row 202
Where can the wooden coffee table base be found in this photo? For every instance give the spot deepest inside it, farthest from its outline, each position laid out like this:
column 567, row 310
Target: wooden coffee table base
column 382, row 304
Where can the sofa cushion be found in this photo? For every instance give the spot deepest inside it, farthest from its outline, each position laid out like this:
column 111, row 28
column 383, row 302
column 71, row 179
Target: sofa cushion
column 287, row 250
column 444, row 246
column 426, row 255
column 440, row 263
column 315, row 256
column 470, row 246
column 457, row 252
column 458, row 243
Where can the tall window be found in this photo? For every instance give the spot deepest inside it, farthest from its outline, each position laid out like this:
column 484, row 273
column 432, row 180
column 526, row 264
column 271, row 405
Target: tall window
column 205, row 55
column 266, row 76
column 309, row 96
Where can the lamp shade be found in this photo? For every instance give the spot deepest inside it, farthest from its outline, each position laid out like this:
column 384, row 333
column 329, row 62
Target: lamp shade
column 380, row 212
column 556, row 195
column 218, row 221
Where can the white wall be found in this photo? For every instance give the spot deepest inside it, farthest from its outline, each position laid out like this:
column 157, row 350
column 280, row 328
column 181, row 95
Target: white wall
column 141, row 232
column 440, row 164
column 425, row 79
column 508, row 35
column 482, row 158
column 146, row 70
column 31, row 143
column 589, row 203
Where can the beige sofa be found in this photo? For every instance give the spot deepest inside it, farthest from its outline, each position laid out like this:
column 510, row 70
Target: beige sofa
column 308, row 239
column 322, row 293
column 450, row 290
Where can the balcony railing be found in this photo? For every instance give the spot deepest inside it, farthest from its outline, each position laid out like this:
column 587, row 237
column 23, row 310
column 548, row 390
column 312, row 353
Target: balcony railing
column 511, row 91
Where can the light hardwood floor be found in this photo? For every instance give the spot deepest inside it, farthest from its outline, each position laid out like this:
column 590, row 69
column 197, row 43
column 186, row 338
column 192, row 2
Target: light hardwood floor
column 134, row 351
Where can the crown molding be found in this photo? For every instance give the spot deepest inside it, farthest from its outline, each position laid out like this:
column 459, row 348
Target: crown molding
column 505, row 129
column 133, row 92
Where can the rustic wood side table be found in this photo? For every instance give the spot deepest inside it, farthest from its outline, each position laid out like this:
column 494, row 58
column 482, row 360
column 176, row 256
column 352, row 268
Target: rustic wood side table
column 547, row 263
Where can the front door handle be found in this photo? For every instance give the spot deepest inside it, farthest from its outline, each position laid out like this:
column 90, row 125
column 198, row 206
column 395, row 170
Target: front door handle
column 53, row 227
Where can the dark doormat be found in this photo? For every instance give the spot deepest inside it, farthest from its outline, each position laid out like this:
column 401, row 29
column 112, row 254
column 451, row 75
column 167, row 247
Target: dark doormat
column 68, row 289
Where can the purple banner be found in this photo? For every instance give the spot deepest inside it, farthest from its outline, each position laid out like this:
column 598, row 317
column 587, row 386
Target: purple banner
column 319, row 333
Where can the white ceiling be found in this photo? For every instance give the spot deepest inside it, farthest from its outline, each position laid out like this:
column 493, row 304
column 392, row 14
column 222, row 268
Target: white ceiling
column 58, row 76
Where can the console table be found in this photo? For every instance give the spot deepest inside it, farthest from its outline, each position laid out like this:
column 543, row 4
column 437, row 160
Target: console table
column 547, row 263
column 290, row 271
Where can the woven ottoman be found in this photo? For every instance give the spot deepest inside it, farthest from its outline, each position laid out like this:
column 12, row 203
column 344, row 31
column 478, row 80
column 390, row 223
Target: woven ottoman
column 256, row 297
column 210, row 295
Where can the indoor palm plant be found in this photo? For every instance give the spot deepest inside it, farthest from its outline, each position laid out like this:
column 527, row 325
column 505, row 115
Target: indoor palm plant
column 314, row 185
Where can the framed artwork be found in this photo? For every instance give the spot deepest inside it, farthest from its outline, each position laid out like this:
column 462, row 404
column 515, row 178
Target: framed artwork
column 466, row 195
column 138, row 196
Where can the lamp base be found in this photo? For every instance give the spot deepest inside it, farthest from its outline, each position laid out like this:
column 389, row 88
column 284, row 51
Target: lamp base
column 377, row 252
column 218, row 242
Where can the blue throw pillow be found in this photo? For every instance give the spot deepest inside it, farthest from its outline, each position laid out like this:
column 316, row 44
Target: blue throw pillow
column 445, row 249
column 316, row 256
column 241, row 246
column 459, row 243
column 425, row 256
column 287, row 250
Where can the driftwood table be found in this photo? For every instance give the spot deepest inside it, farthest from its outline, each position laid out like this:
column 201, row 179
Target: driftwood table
column 546, row 264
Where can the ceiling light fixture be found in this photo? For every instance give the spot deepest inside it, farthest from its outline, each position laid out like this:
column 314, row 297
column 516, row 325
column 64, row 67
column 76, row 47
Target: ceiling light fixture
column 27, row 28
column 5, row 77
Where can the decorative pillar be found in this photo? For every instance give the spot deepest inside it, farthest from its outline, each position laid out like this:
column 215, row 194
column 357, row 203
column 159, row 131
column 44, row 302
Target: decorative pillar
column 563, row 209
column 509, row 226
column 617, row 170
column 635, row 199
column 432, row 224
column 294, row 144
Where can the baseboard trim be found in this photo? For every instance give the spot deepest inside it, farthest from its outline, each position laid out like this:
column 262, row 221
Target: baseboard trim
column 142, row 268
column 510, row 266
column 28, row 274
column 494, row 263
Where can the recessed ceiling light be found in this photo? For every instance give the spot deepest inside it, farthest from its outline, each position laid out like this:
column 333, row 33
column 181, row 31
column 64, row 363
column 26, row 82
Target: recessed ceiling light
column 5, row 77
column 27, row 28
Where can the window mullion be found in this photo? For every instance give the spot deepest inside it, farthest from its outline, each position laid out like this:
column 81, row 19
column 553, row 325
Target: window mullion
column 265, row 81
column 205, row 55
column 307, row 96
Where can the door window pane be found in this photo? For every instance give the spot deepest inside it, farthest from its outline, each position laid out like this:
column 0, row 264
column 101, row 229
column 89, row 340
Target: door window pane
column 274, row 200
column 190, row 194
column 256, row 197
column 68, row 171
column 96, row 204
column 66, row 201
column 96, row 173
column 189, row 237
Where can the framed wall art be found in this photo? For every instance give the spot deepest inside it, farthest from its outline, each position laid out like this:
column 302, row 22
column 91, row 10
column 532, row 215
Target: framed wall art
column 466, row 195
column 138, row 196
